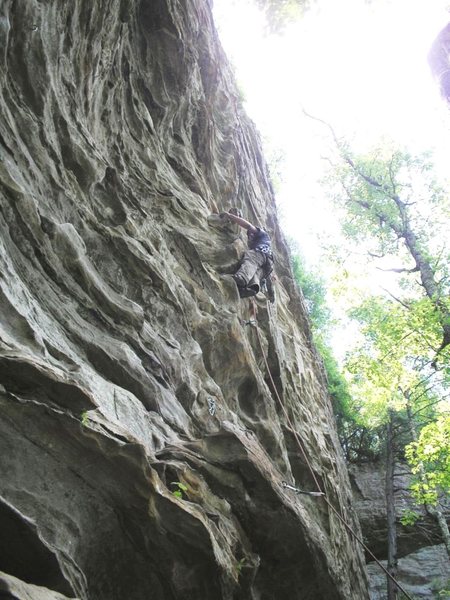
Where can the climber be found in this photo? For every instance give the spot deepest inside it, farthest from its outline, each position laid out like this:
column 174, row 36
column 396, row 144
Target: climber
column 439, row 61
column 257, row 262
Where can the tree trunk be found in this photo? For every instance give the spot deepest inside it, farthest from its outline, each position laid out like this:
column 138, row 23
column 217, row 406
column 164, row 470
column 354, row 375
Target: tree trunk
column 438, row 515
column 392, row 589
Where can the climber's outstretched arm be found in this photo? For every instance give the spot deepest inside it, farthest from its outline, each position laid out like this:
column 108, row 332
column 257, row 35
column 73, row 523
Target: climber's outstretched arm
column 240, row 221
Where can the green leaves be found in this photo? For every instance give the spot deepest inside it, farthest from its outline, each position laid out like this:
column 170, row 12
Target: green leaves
column 430, row 461
column 409, row 517
column 394, row 208
column 313, row 288
column 358, row 443
column 279, row 13
column 179, row 489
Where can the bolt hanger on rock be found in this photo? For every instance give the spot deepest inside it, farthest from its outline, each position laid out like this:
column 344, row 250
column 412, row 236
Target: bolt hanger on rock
column 298, row 491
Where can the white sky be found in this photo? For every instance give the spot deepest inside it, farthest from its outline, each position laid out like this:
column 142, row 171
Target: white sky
column 362, row 67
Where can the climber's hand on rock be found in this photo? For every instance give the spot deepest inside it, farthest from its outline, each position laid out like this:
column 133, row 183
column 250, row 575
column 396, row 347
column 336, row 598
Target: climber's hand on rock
column 225, row 216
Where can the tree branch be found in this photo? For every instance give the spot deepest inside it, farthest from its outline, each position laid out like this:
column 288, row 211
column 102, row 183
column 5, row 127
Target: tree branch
column 404, row 304
column 392, row 178
column 426, row 406
column 400, row 270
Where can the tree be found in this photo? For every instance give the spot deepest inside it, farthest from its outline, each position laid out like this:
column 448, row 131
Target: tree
column 394, row 204
column 279, row 13
column 392, row 561
column 394, row 207
column 430, row 457
column 395, row 387
column 358, row 442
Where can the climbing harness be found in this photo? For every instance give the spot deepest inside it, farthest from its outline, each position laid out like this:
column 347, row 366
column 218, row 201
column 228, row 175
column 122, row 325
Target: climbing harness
column 298, row 491
column 211, row 406
column 308, row 463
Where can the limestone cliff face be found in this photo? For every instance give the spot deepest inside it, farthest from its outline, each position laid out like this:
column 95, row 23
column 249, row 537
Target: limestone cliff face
column 368, row 484
column 125, row 365
column 423, row 565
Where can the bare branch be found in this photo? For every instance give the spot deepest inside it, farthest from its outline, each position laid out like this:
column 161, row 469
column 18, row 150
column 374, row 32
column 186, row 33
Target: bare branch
column 425, row 392
column 442, row 347
column 426, row 406
column 422, row 381
column 400, row 270
column 391, row 176
column 345, row 157
column 405, row 304
column 404, row 230
column 332, row 131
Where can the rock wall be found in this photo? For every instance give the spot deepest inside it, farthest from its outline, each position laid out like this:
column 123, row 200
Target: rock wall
column 368, row 484
column 423, row 566
column 425, row 575
column 142, row 448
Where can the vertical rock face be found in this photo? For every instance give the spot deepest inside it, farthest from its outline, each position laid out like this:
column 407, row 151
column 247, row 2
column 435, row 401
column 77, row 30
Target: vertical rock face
column 424, row 574
column 368, row 484
column 142, row 447
column 423, row 565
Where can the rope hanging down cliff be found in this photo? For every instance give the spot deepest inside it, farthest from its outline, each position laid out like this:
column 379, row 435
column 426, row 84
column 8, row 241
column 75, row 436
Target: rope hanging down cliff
column 319, row 492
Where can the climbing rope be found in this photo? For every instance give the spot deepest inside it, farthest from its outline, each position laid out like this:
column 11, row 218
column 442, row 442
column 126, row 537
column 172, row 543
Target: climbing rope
column 320, row 492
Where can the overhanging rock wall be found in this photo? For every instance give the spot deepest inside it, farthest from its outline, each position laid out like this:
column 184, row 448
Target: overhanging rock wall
column 121, row 132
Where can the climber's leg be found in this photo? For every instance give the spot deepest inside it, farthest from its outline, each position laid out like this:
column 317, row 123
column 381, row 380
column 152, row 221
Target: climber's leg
column 249, row 272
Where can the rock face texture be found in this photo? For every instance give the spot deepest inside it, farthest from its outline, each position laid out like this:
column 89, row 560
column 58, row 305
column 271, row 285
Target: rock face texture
column 142, row 445
column 423, row 567
column 368, row 484
column 424, row 574
column 11, row 587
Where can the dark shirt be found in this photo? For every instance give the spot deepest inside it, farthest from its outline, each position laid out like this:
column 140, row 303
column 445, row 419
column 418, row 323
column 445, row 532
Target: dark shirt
column 260, row 241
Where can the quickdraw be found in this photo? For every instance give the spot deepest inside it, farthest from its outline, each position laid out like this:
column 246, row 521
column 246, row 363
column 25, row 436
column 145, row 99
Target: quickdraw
column 211, row 406
column 298, row 491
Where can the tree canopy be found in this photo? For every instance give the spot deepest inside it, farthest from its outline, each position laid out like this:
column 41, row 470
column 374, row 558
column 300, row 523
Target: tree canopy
column 394, row 211
column 280, row 13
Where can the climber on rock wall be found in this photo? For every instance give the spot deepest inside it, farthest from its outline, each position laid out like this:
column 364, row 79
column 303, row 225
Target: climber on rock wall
column 439, row 61
column 257, row 262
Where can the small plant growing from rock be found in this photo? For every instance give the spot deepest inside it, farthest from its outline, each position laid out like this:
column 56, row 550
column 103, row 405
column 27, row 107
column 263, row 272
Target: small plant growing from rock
column 84, row 418
column 241, row 563
column 409, row 517
column 442, row 589
column 179, row 489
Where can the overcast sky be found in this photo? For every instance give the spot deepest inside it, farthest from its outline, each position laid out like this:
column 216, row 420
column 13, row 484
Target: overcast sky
column 362, row 67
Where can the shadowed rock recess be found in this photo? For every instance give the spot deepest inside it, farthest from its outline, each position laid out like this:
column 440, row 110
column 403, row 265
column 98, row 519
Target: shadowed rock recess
column 126, row 371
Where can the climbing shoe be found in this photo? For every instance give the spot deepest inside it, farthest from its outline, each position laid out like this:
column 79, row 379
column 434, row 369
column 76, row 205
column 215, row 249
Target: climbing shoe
column 251, row 290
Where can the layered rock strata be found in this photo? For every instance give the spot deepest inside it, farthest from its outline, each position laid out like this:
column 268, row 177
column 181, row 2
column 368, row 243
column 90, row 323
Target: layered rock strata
column 368, row 484
column 423, row 566
column 424, row 574
column 142, row 447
